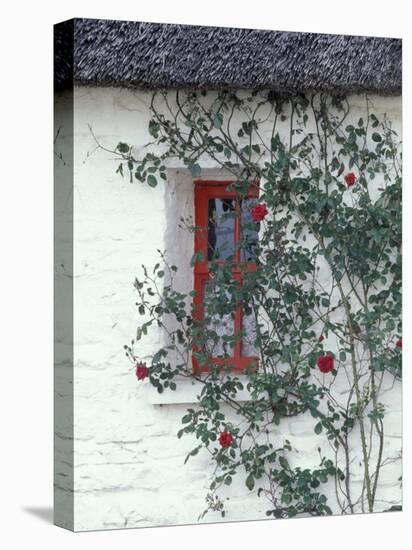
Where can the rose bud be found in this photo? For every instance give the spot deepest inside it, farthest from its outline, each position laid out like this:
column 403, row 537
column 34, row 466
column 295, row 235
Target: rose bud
column 141, row 371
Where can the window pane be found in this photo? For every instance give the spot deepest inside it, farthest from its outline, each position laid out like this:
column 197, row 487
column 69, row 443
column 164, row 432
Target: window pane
column 219, row 320
column 249, row 348
column 250, row 231
column 221, row 229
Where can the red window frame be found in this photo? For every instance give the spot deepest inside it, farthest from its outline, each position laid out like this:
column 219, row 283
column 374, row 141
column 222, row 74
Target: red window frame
column 205, row 190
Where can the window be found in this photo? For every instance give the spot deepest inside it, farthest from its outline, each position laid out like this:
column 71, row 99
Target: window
column 222, row 219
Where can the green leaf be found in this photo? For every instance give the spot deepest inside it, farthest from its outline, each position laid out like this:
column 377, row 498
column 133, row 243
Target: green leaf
column 376, row 137
column 218, row 120
column 192, row 453
column 375, row 120
column 318, row 428
column 123, row 147
column 284, row 463
column 154, row 128
column 250, row 482
column 341, row 169
column 151, row 180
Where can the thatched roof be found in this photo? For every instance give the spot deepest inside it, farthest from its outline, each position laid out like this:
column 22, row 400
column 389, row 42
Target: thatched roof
column 150, row 55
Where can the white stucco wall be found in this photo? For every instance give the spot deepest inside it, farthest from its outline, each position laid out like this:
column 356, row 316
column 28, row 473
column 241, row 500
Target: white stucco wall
column 128, row 462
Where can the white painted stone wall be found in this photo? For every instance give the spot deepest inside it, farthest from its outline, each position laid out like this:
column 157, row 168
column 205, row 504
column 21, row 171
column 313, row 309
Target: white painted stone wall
column 128, row 462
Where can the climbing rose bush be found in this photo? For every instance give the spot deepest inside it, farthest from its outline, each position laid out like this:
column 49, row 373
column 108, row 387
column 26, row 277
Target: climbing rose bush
column 324, row 301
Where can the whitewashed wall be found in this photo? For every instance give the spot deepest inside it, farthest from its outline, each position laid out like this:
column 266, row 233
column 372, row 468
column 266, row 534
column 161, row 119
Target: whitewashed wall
column 128, row 462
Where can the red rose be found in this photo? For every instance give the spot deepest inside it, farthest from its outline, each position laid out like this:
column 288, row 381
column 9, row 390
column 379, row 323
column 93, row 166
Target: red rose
column 350, row 179
column 325, row 363
column 399, row 343
column 226, row 439
column 141, row 371
column 321, row 338
column 259, row 212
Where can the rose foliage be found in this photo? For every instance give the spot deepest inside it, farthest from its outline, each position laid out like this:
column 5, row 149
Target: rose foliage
column 324, row 301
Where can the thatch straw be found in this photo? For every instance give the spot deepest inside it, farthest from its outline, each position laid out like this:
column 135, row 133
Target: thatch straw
column 148, row 55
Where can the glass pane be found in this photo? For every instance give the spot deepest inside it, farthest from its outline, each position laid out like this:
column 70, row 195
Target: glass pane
column 221, row 229
column 219, row 320
column 249, row 348
column 250, row 231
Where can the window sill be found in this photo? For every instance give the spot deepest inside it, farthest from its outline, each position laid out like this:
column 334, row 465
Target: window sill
column 187, row 392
